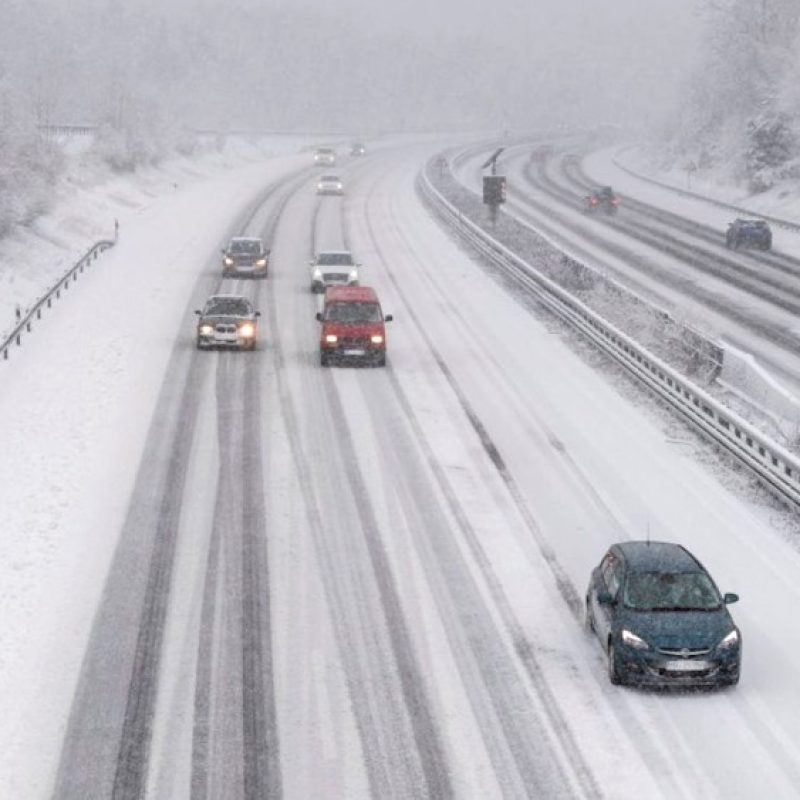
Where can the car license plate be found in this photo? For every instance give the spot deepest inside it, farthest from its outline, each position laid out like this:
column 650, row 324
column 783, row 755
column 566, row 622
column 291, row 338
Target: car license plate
column 354, row 352
column 226, row 337
column 687, row 666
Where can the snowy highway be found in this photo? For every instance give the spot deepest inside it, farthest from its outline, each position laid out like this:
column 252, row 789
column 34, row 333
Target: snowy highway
column 668, row 250
column 240, row 575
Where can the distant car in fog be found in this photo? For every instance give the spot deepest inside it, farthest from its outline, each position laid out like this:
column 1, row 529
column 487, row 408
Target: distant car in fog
column 227, row 321
column 330, row 184
column 245, row 256
column 333, row 268
column 325, row 157
column 754, row 233
column 603, row 199
column 661, row 619
column 358, row 149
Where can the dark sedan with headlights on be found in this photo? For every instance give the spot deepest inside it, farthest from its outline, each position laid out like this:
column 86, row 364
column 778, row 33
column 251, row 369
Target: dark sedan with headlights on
column 227, row 321
column 660, row 618
column 245, row 257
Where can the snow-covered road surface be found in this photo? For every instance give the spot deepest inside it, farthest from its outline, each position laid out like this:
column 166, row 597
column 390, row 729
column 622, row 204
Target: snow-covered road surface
column 354, row 583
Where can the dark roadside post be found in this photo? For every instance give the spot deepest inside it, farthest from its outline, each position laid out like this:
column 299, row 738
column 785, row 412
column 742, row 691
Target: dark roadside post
column 494, row 186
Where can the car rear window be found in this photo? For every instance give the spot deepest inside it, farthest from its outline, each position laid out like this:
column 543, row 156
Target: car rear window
column 353, row 312
column 670, row 591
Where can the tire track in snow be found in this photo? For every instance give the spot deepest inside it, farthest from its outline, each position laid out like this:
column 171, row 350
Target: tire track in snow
column 570, row 595
column 367, row 634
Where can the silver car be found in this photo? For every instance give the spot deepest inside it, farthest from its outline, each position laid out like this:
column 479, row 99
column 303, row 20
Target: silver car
column 229, row 321
column 330, row 184
column 325, row 157
column 333, row 268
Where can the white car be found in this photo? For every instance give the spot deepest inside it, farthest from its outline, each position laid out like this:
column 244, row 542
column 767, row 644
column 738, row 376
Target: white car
column 333, row 268
column 330, row 184
column 325, row 157
column 227, row 320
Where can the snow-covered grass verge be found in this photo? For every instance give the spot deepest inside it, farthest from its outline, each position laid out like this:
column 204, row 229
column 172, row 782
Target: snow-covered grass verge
column 782, row 201
column 87, row 199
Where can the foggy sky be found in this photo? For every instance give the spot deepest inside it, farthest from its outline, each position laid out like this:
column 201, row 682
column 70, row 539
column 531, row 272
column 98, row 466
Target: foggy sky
column 369, row 63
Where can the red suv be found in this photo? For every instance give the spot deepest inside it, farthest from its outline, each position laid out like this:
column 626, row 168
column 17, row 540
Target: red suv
column 352, row 326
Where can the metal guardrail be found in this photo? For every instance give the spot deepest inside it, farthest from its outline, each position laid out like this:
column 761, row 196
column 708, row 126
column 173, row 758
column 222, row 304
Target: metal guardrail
column 25, row 323
column 774, row 466
column 777, row 221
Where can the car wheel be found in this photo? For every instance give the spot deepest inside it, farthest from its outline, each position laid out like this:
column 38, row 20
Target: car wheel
column 588, row 620
column 380, row 361
column 324, row 360
column 613, row 666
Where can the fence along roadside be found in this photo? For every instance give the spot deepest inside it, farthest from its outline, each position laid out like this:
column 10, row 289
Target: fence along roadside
column 25, row 323
column 776, row 468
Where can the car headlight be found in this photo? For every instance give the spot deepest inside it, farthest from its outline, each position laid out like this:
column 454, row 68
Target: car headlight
column 262, row 262
column 320, row 187
column 228, row 261
column 331, row 338
column 317, row 274
column 376, row 339
column 353, row 274
column 731, row 640
column 206, row 330
column 248, row 330
column 632, row 640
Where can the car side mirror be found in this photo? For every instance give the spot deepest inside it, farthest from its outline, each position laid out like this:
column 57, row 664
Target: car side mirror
column 730, row 597
column 198, row 312
column 388, row 318
column 258, row 313
column 319, row 316
column 605, row 599
column 311, row 262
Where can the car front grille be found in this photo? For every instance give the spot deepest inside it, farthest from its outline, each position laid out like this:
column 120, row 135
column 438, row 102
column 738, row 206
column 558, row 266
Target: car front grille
column 355, row 342
column 684, row 652
column 336, row 277
column 224, row 327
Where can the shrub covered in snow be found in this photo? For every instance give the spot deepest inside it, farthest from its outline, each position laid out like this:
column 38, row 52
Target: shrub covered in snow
column 29, row 164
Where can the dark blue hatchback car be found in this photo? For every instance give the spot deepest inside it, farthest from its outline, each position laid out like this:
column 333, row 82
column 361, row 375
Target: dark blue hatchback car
column 748, row 233
column 661, row 619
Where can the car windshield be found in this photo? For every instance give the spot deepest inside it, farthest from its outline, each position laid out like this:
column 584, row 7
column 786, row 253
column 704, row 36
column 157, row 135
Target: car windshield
column 247, row 247
column 324, row 151
column 335, row 260
column 353, row 312
column 330, row 178
column 753, row 224
column 227, row 306
column 670, row 591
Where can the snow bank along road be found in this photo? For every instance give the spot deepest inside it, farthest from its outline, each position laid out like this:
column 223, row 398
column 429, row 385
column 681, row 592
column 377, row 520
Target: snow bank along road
column 353, row 583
